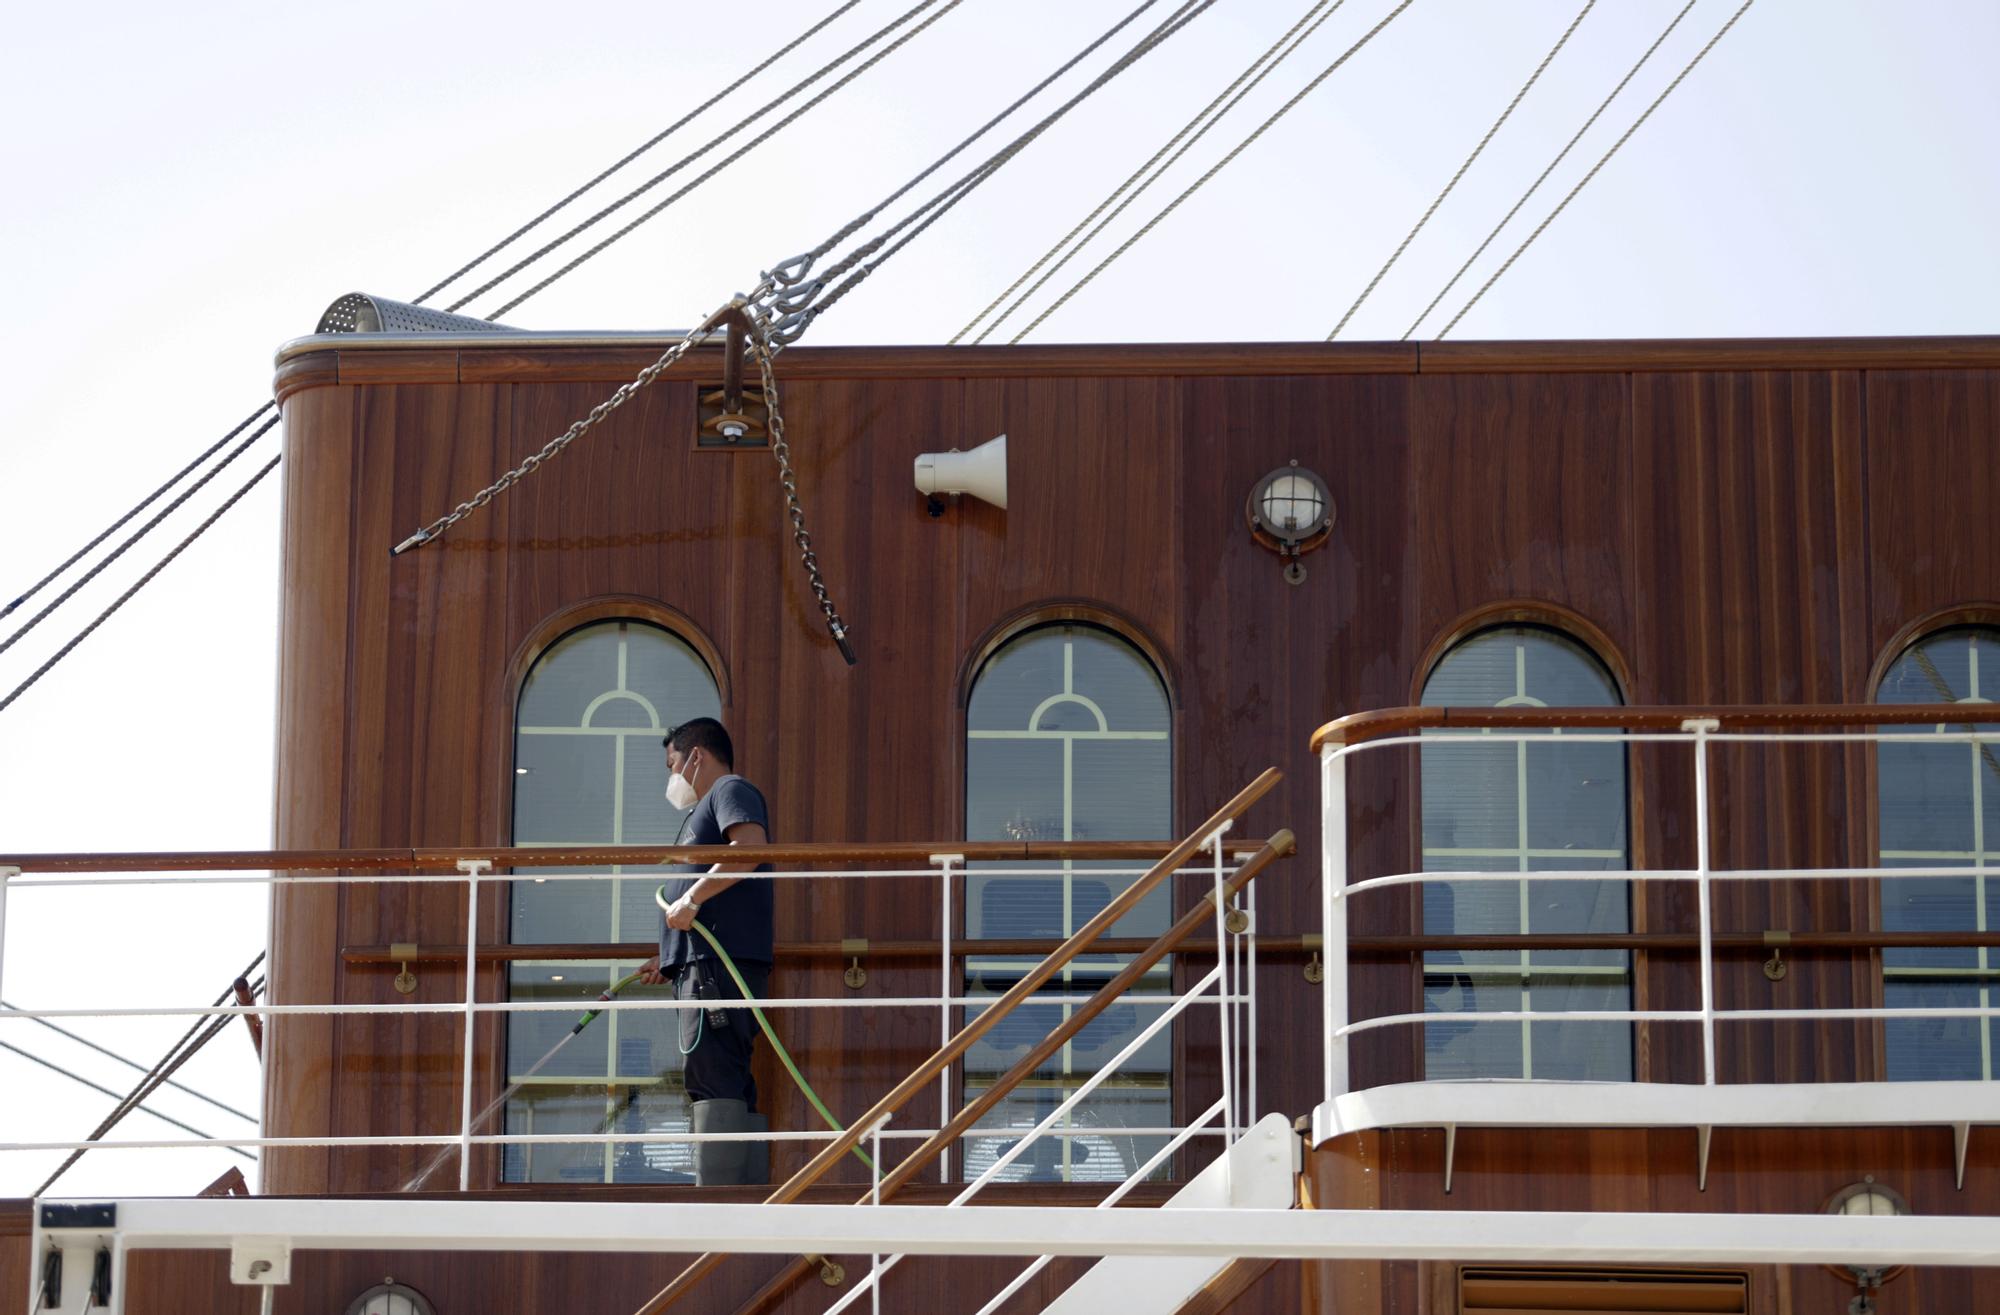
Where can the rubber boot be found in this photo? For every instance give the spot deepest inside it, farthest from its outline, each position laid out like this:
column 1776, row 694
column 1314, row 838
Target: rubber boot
column 721, row 1163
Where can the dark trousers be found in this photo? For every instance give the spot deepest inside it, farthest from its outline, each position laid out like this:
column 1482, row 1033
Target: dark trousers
column 716, row 1043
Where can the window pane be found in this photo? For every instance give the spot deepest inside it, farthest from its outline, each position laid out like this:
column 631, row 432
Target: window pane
column 1551, row 804
column 590, row 769
column 1069, row 740
column 1938, row 806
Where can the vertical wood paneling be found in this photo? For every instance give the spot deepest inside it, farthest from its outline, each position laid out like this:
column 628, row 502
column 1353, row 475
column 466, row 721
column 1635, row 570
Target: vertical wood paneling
column 1744, row 597
column 1737, row 537
column 312, row 728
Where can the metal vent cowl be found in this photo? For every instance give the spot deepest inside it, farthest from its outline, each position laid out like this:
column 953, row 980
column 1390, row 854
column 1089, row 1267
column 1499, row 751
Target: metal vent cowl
column 357, row 312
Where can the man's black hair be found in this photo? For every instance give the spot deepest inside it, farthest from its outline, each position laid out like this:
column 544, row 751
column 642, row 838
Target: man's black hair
column 704, row 733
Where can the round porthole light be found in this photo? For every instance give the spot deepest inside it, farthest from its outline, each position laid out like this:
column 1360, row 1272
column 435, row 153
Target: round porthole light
column 391, row 1298
column 1866, row 1199
column 1290, row 512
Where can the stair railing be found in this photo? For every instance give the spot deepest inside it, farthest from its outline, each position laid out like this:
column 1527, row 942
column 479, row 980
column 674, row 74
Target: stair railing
column 1021, row 992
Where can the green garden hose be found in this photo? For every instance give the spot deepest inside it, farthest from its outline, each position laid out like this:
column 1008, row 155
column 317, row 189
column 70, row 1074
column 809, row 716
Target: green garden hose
column 784, row 1055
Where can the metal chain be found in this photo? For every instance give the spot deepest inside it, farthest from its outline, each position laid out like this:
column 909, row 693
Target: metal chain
column 761, row 346
column 1535, row 186
column 1601, row 162
column 590, row 421
column 1213, row 170
column 1477, row 151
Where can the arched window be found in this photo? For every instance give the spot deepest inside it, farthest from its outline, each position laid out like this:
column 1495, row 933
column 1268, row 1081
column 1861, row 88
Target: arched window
column 1068, row 738
column 589, row 770
column 1519, row 807
column 1938, row 805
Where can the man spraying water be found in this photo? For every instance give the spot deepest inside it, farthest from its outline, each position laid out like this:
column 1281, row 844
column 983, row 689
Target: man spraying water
column 715, row 1044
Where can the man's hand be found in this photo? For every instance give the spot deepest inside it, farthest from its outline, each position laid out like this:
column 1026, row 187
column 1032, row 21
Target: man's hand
column 650, row 974
column 680, row 914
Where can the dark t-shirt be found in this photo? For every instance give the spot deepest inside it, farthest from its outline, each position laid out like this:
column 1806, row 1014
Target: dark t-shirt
column 740, row 917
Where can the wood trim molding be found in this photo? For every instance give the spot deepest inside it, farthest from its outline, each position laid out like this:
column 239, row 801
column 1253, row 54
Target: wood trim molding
column 1075, row 611
column 1567, row 621
column 614, row 358
column 1943, row 618
column 1360, row 727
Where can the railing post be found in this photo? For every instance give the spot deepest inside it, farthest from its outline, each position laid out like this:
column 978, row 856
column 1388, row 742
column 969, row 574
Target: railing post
column 1333, row 915
column 946, row 990
column 1701, row 728
column 1223, row 1003
column 7, row 874
column 472, row 868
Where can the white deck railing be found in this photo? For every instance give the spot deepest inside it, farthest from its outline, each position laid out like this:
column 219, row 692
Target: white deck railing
column 1229, row 988
column 1342, row 743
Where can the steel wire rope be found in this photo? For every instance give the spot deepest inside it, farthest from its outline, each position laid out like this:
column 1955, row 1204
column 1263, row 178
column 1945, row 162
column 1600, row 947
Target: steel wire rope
column 137, row 585
column 107, row 1091
column 1560, row 156
column 803, row 263
column 199, row 1033
column 640, row 150
column 140, row 533
column 1477, row 151
column 806, row 304
column 1216, row 168
column 134, row 1065
column 144, row 503
column 1601, row 162
column 714, row 169
column 1118, row 191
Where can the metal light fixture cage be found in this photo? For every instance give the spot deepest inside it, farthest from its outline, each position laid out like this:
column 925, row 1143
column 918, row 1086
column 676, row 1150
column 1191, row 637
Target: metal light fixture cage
column 357, row 312
column 1290, row 512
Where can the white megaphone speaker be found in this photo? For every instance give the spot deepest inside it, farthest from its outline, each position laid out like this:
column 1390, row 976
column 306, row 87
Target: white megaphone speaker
column 980, row 473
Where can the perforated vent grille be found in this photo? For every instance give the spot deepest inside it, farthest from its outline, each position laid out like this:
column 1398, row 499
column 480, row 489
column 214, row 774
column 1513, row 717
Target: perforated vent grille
column 1600, row 1292
column 358, row 312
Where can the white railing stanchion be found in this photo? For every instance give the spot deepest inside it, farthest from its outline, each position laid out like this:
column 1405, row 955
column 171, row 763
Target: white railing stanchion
column 946, row 991
column 1333, row 918
column 6, row 875
column 1250, row 986
column 1701, row 727
column 1222, row 991
column 472, row 868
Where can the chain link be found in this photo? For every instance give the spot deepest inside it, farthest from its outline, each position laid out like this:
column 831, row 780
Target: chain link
column 760, row 344
column 590, row 421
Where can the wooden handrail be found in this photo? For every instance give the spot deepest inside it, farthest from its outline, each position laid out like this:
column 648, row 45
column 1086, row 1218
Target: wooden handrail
column 916, row 853
column 919, row 1078
column 1360, row 727
column 906, row 1170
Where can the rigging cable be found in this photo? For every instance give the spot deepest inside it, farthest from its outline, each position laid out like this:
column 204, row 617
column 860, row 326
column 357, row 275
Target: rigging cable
column 137, row 585
column 1602, row 161
column 714, row 169
column 432, row 291
column 198, row 1034
column 795, row 269
column 144, row 503
column 131, row 1064
column 1505, row 114
column 640, row 150
column 142, row 531
column 1204, row 113
column 800, row 306
column 1216, row 168
column 77, row 1077
column 1561, row 155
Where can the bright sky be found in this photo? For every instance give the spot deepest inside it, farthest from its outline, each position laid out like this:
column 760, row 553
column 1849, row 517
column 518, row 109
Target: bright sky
column 190, row 185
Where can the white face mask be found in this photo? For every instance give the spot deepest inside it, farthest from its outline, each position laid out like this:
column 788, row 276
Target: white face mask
column 680, row 793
